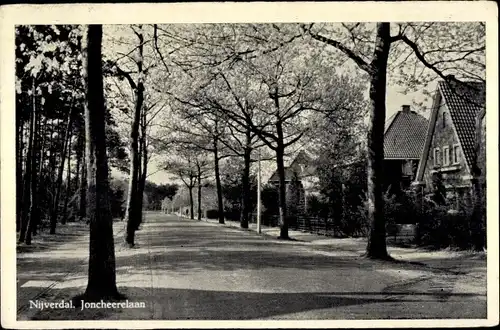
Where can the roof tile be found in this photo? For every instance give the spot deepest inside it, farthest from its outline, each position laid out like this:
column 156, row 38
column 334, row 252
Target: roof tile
column 464, row 101
column 405, row 135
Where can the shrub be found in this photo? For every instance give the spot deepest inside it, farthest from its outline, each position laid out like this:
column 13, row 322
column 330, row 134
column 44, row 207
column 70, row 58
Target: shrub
column 393, row 211
column 212, row 214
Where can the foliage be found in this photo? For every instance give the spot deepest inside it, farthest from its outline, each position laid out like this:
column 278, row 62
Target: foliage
column 438, row 225
column 117, row 198
column 232, row 187
column 158, row 192
column 269, row 196
column 438, row 189
column 293, row 198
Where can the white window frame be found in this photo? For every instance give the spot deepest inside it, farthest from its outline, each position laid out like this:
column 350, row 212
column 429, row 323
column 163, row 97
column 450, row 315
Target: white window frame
column 436, row 156
column 456, row 154
column 446, row 156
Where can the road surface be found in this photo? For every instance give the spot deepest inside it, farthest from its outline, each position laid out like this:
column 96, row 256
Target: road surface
column 187, row 269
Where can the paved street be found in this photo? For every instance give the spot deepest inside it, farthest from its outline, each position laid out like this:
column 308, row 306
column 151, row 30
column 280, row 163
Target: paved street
column 187, row 269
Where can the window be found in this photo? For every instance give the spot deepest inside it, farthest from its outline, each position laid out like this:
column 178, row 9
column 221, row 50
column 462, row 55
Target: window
column 436, row 156
column 444, row 119
column 456, row 154
column 407, row 168
column 446, row 156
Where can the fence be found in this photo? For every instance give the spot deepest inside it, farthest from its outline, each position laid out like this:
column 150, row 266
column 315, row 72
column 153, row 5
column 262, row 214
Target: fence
column 314, row 225
column 402, row 233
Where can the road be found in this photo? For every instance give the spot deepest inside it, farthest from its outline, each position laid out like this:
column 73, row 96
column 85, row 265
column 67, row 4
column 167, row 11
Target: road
column 187, row 269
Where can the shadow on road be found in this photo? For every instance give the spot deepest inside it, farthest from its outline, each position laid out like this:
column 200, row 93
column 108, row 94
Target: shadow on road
column 177, row 304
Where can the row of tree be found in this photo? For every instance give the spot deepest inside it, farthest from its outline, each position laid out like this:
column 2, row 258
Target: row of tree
column 235, row 88
column 51, row 176
column 196, row 95
column 258, row 84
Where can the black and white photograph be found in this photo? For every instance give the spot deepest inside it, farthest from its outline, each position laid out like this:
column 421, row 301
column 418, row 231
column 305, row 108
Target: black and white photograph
column 294, row 169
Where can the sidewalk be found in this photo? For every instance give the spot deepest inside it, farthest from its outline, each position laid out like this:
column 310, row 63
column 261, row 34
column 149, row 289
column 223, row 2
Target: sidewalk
column 54, row 261
column 468, row 266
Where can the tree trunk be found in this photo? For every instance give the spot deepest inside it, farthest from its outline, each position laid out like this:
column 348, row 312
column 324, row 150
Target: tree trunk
column 28, row 174
column 220, row 203
column 376, row 247
column 478, row 220
column 283, row 221
column 132, row 213
column 33, row 205
column 245, row 192
column 55, row 205
column 82, row 213
column 199, row 193
column 143, row 174
column 101, row 276
column 78, row 153
column 68, row 186
column 191, row 200
column 19, row 169
column 40, row 191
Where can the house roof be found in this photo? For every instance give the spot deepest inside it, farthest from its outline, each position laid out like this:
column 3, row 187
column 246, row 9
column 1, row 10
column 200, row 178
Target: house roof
column 404, row 136
column 288, row 175
column 464, row 101
column 301, row 164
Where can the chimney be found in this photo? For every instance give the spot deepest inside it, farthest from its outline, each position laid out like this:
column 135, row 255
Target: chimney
column 405, row 108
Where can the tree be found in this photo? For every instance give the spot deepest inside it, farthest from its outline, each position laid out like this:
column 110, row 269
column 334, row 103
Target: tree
column 134, row 66
column 240, row 196
column 133, row 213
column 183, row 165
column 202, row 167
column 291, row 91
column 438, row 60
column 48, row 84
column 101, row 276
column 203, row 53
column 201, row 128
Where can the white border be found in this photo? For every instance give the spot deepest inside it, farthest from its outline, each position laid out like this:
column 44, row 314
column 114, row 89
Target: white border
column 237, row 12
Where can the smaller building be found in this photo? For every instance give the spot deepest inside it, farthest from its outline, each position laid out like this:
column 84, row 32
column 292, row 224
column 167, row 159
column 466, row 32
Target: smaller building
column 302, row 171
column 454, row 137
column 404, row 139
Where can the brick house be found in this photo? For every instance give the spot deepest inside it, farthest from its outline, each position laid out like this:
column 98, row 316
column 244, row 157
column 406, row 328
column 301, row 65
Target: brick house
column 404, row 140
column 456, row 124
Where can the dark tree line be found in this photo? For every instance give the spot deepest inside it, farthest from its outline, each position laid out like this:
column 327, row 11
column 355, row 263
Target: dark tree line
column 51, row 174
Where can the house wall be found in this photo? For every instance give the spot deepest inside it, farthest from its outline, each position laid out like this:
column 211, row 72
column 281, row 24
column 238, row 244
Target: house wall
column 455, row 176
column 394, row 176
column 481, row 157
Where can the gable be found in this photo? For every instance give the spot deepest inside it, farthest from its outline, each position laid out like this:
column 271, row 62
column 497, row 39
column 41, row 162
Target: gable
column 464, row 104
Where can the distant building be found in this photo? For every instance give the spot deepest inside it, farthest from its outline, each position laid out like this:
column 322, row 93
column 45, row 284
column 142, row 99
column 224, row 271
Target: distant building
column 456, row 140
column 404, row 139
column 303, row 171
